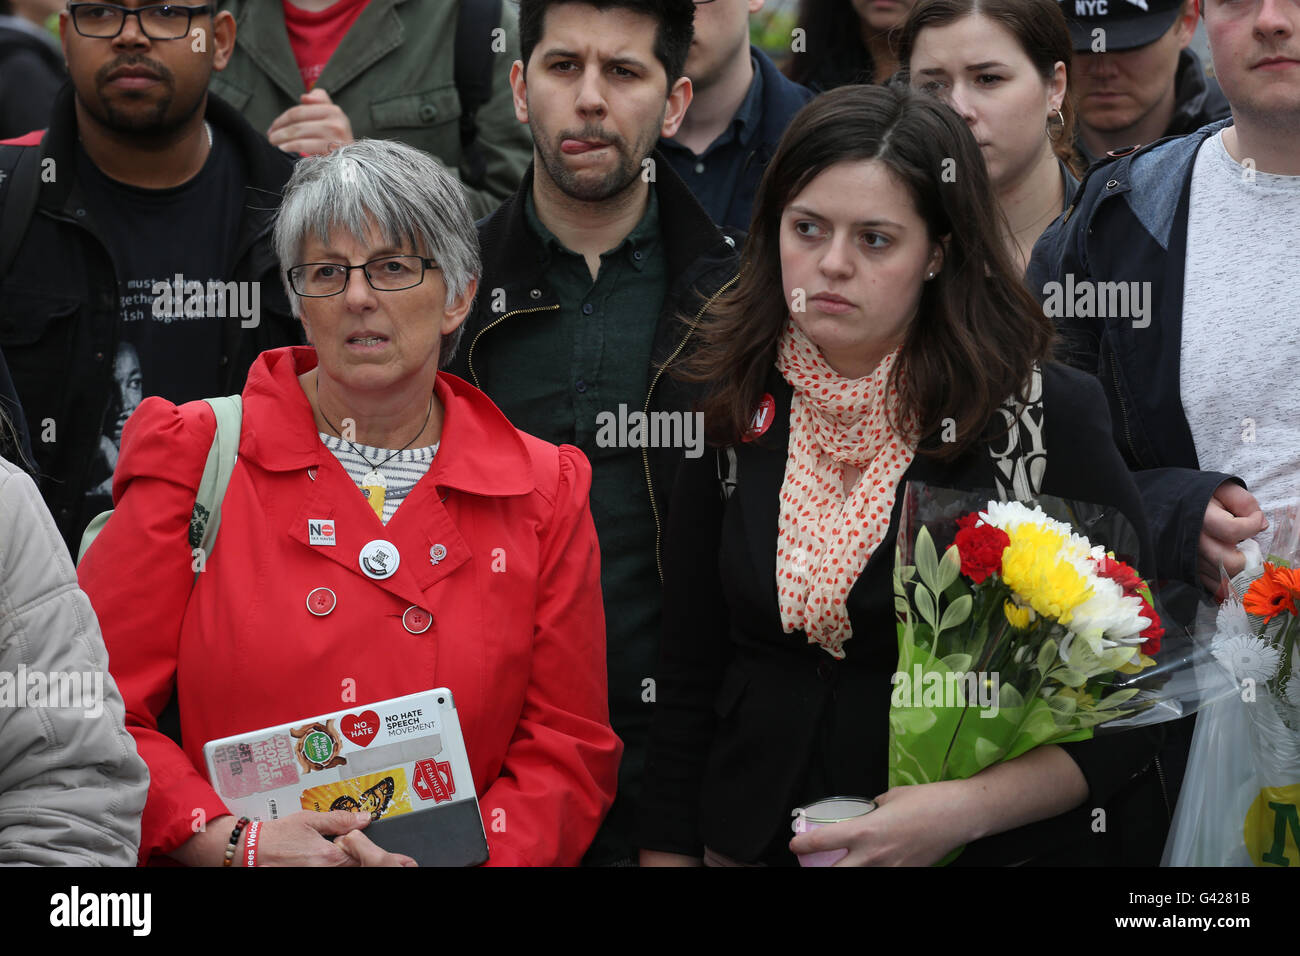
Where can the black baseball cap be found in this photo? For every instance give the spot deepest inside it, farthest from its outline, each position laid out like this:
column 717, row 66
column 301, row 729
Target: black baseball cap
column 1128, row 23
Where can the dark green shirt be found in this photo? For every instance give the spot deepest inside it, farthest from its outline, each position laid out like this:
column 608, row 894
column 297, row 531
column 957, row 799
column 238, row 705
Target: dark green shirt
column 560, row 376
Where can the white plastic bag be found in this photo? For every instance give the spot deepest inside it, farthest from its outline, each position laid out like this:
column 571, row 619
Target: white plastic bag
column 1239, row 800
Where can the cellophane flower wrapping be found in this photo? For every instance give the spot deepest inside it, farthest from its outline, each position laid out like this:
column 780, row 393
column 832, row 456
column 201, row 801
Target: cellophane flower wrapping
column 1022, row 624
column 1240, row 800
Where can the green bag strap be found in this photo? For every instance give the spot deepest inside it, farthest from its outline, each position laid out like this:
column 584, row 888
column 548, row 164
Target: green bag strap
column 206, row 516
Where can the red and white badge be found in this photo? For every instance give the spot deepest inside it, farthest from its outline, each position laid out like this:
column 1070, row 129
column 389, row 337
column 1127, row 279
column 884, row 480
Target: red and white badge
column 434, row 780
column 763, row 415
column 320, row 531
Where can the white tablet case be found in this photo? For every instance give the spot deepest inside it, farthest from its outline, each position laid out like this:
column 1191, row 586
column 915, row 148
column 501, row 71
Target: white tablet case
column 403, row 759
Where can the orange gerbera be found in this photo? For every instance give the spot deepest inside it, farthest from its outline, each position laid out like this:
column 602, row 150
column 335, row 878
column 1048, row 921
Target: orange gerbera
column 1273, row 592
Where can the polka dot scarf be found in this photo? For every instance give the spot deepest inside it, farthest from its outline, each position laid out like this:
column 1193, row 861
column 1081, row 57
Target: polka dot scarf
column 825, row 537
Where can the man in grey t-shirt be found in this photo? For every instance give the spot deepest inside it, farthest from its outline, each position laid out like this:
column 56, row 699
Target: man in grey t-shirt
column 1173, row 278
column 1199, row 234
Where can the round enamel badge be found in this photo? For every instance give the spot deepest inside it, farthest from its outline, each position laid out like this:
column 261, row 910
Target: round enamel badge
column 379, row 559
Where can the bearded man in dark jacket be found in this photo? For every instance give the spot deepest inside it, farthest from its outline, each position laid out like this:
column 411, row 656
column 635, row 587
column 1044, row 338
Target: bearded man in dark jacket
column 594, row 274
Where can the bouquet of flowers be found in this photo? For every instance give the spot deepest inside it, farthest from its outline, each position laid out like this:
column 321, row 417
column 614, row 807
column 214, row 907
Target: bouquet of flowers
column 1240, row 802
column 1021, row 633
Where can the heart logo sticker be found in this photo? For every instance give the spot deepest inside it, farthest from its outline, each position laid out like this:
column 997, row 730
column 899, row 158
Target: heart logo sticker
column 361, row 728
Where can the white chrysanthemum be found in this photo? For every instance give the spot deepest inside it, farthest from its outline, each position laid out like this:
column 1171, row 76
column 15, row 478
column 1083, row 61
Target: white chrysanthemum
column 1107, row 612
column 1012, row 514
column 1009, row 515
column 1293, row 689
column 1247, row 657
column 1231, row 620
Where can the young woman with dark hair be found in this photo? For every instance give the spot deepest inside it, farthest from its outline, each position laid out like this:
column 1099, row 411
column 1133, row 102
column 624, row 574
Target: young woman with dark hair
column 1003, row 65
column 846, row 41
column 876, row 332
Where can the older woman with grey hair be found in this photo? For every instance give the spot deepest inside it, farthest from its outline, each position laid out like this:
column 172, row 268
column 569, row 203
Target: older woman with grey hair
column 384, row 531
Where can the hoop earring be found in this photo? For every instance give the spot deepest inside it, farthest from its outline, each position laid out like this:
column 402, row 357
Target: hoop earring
column 1060, row 125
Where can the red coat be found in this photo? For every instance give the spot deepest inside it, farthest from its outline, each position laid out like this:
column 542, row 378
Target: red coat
column 518, row 630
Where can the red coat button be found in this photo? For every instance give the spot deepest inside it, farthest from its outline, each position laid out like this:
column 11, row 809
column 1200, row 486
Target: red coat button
column 417, row 620
column 321, row 601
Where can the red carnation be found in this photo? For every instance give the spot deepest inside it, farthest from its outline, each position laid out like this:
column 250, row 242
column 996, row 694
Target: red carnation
column 1120, row 573
column 980, row 548
column 1151, row 636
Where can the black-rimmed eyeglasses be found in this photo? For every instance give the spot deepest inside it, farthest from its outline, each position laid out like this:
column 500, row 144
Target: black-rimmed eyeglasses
column 387, row 274
column 158, row 21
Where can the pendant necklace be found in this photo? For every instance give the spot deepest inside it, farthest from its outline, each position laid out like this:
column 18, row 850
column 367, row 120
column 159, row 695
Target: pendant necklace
column 373, row 485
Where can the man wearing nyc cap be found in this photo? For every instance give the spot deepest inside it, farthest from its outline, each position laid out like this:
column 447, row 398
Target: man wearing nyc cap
column 1208, row 222
column 1134, row 79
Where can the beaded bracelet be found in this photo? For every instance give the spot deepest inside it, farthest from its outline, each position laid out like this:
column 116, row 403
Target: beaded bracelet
column 234, row 841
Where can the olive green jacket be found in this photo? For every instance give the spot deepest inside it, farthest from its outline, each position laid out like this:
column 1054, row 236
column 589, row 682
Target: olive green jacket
column 392, row 75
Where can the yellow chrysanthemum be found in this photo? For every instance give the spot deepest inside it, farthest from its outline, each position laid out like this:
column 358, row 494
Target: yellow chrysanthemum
column 1017, row 617
column 1033, row 568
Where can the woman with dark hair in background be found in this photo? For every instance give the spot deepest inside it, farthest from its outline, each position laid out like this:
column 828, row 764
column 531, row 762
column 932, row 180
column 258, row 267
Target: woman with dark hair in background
column 846, row 41
column 1002, row 65
column 878, row 329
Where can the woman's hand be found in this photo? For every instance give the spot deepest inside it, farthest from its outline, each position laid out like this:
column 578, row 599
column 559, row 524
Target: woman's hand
column 365, row 853
column 300, row 840
column 920, row 825
column 296, row 840
column 911, row 826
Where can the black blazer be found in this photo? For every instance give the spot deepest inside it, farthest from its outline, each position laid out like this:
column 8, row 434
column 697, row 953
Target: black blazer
column 751, row 722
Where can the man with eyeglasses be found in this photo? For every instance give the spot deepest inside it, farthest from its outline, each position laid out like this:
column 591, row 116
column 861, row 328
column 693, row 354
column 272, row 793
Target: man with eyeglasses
column 741, row 105
column 138, row 222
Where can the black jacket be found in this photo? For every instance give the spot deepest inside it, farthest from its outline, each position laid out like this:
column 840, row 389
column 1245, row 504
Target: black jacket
column 752, row 722
column 1128, row 223
column 60, row 319
column 782, row 98
column 702, row 262
column 1198, row 98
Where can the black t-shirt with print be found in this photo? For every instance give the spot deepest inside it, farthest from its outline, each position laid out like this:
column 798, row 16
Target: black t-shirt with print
column 173, row 250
